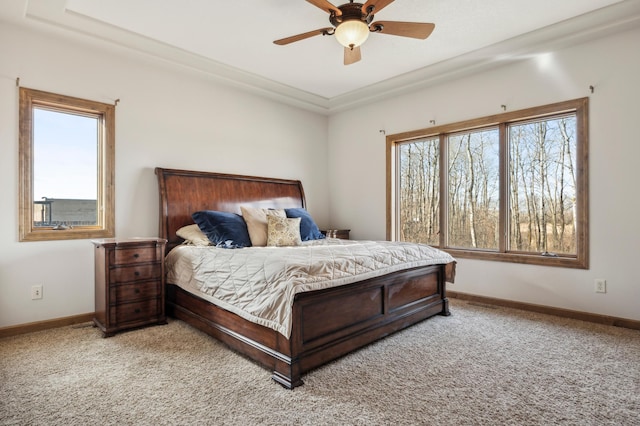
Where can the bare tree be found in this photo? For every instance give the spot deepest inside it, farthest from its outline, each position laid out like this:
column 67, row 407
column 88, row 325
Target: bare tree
column 419, row 191
column 541, row 183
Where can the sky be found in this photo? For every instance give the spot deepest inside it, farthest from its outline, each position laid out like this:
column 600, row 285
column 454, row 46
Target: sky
column 65, row 156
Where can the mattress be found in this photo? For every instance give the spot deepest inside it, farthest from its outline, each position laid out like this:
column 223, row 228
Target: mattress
column 260, row 283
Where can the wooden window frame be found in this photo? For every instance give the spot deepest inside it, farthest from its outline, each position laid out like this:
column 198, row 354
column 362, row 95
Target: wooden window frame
column 105, row 114
column 580, row 107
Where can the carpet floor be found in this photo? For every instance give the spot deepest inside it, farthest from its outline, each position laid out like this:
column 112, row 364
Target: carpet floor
column 483, row 365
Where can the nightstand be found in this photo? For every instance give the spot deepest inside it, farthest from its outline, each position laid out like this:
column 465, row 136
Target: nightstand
column 336, row 233
column 129, row 283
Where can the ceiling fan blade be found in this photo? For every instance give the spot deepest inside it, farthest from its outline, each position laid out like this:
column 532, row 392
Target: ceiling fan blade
column 326, row 6
column 352, row 55
column 302, row 36
column 378, row 5
column 404, row 29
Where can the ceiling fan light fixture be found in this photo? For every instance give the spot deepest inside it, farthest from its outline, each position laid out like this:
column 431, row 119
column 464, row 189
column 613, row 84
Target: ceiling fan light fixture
column 352, row 33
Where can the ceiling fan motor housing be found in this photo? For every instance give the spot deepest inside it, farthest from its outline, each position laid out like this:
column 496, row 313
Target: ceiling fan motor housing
column 351, row 11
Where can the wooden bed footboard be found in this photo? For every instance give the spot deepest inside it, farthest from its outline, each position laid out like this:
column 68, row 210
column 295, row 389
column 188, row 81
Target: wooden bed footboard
column 327, row 324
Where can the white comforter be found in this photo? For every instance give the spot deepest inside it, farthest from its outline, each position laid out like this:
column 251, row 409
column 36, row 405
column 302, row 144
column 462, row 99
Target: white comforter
column 259, row 283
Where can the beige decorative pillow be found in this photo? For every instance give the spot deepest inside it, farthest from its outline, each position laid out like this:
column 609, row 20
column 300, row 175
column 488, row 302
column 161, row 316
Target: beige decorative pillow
column 256, row 220
column 193, row 235
column 283, row 231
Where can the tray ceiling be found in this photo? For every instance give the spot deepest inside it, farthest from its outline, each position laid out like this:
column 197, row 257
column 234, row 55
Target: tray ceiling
column 233, row 40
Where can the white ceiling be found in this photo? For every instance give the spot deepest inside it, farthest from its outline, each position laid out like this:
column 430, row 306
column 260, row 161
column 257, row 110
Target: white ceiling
column 233, row 40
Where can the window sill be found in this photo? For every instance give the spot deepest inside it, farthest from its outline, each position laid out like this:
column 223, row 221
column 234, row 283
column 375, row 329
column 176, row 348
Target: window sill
column 528, row 259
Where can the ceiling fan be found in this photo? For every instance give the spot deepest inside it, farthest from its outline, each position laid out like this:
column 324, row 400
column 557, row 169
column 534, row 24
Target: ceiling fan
column 352, row 25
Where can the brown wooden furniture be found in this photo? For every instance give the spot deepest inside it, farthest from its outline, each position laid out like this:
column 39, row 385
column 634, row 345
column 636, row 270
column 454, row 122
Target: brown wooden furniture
column 129, row 283
column 336, row 233
column 326, row 323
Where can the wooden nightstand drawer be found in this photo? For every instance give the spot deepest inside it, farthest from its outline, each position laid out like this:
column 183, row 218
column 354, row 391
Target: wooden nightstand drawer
column 135, row 291
column 124, row 274
column 136, row 311
column 129, row 283
column 133, row 255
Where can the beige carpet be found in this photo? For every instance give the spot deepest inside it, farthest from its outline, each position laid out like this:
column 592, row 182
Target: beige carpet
column 481, row 366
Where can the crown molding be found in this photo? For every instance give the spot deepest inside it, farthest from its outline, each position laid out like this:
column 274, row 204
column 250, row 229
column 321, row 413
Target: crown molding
column 52, row 13
column 609, row 20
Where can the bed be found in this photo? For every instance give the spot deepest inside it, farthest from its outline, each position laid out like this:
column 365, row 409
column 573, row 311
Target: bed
column 325, row 324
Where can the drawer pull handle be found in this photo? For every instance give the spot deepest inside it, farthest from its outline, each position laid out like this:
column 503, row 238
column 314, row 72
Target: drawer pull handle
column 136, row 255
column 137, row 311
column 137, row 290
column 136, row 273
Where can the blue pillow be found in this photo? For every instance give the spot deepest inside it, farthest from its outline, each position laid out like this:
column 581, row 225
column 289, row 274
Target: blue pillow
column 308, row 228
column 227, row 230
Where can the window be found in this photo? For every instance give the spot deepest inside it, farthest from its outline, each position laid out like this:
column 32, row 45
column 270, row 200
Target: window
column 67, row 151
column 513, row 186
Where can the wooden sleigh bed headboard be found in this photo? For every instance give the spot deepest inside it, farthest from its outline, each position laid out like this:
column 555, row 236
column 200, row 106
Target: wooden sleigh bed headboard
column 183, row 192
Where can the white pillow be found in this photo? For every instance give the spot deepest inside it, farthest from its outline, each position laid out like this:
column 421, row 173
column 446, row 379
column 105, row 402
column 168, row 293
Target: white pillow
column 256, row 220
column 283, row 231
column 193, row 235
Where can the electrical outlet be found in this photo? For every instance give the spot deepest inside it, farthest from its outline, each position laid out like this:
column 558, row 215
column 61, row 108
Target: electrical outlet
column 36, row 292
column 601, row 285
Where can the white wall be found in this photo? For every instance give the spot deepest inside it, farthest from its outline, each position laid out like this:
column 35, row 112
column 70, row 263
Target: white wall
column 166, row 117
column 612, row 66
column 172, row 117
